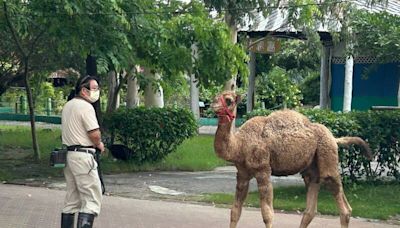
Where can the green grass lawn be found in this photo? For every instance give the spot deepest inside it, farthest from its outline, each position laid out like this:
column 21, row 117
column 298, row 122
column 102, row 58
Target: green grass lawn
column 16, row 155
column 378, row 201
column 194, row 154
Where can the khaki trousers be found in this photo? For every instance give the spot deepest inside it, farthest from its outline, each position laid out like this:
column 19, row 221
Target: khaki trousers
column 83, row 184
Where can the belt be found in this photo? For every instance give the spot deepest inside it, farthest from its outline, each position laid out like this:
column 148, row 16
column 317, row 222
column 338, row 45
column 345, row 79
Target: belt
column 79, row 148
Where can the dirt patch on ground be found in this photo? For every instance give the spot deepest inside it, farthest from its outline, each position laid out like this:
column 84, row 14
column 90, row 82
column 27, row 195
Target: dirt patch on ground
column 17, row 165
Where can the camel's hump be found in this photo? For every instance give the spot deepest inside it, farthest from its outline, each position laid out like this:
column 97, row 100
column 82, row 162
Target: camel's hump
column 285, row 121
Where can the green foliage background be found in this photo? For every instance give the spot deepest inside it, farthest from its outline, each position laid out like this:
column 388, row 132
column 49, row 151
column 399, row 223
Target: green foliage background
column 276, row 90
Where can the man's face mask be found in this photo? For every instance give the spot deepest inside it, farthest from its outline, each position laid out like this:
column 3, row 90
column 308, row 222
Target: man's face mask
column 93, row 95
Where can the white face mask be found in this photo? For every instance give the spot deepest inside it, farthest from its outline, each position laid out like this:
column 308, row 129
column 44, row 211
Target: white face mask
column 93, row 96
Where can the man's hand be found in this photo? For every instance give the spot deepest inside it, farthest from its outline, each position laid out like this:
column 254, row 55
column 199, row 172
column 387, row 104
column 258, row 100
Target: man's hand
column 100, row 146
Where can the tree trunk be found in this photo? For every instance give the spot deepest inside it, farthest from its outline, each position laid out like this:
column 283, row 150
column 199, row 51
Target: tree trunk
column 348, row 84
column 91, row 69
column 194, row 89
column 232, row 27
column 35, row 144
column 91, row 66
column 252, row 82
column 113, row 93
column 324, row 76
column 27, row 87
column 231, row 84
column 194, row 96
column 153, row 93
column 132, row 97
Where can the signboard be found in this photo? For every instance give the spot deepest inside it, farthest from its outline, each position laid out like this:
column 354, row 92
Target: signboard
column 266, row 45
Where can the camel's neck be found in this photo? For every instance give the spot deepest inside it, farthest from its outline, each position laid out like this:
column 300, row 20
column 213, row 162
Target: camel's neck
column 224, row 142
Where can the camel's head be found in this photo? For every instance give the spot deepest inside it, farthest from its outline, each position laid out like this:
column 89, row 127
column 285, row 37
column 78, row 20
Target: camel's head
column 224, row 105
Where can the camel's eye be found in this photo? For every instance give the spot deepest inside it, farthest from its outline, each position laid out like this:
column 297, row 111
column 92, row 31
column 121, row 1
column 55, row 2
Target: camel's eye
column 228, row 101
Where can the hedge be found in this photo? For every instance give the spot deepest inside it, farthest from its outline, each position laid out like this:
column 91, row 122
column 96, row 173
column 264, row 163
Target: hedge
column 151, row 133
column 381, row 129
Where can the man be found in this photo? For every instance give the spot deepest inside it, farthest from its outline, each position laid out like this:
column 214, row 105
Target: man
column 81, row 134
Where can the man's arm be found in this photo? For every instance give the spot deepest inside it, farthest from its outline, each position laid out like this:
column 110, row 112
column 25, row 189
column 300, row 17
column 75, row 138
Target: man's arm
column 95, row 137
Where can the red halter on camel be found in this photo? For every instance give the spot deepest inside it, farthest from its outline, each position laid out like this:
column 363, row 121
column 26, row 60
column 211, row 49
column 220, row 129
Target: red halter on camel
column 225, row 115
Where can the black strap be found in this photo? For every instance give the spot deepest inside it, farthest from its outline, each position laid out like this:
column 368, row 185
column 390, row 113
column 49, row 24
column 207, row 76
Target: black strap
column 97, row 157
column 77, row 147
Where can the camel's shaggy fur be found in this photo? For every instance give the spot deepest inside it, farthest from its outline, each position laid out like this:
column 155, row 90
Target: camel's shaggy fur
column 283, row 143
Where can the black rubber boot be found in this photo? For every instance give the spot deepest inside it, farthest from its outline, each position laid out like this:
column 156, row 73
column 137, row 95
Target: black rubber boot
column 67, row 220
column 85, row 220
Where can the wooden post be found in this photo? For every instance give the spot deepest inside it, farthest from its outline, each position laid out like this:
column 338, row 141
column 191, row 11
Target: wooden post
column 48, row 106
column 23, row 105
column 324, row 77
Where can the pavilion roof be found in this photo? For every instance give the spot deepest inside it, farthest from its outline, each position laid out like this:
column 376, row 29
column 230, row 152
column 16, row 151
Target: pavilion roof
column 277, row 20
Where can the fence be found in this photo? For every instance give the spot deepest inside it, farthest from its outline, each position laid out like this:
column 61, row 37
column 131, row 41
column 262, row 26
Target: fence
column 21, row 107
column 19, row 112
column 23, row 117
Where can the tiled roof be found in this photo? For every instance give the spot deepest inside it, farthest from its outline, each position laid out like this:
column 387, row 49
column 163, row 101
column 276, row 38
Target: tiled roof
column 392, row 6
column 277, row 20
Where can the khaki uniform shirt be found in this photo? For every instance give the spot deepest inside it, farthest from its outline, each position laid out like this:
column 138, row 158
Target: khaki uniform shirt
column 78, row 118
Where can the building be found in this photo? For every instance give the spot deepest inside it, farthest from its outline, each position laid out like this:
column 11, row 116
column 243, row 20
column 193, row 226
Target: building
column 369, row 83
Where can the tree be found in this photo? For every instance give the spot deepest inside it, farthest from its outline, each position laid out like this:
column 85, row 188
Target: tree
column 234, row 13
column 276, row 90
column 301, row 60
column 24, row 47
column 210, row 54
column 164, row 39
column 346, row 15
column 39, row 36
column 301, row 15
column 377, row 34
column 98, row 32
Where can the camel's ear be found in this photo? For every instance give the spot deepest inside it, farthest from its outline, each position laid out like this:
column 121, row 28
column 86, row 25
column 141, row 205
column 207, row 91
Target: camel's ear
column 238, row 99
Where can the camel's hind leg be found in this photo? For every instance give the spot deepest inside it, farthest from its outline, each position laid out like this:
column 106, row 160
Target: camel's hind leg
column 266, row 196
column 327, row 160
column 334, row 184
column 242, row 187
column 311, row 180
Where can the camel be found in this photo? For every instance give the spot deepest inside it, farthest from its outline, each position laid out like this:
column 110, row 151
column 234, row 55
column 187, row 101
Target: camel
column 283, row 143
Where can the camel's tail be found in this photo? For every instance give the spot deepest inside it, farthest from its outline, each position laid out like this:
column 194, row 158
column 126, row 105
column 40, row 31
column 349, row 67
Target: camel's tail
column 346, row 141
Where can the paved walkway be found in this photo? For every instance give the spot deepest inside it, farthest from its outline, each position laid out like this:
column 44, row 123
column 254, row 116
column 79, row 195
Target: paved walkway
column 171, row 185
column 31, row 207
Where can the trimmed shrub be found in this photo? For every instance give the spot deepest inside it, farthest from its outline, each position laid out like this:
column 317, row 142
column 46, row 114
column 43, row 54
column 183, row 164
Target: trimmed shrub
column 381, row 129
column 151, row 133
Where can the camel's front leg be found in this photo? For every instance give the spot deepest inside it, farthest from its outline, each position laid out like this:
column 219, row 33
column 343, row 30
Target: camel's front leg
column 242, row 186
column 266, row 196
